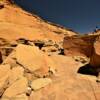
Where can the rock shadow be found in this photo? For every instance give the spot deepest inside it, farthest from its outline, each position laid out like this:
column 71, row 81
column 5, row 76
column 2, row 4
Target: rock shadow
column 40, row 45
column 88, row 70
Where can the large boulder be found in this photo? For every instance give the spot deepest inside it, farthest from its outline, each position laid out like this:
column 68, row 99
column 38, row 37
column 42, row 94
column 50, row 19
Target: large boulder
column 30, row 57
column 80, row 45
column 18, row 87
column 4, row 75
column 95, row 58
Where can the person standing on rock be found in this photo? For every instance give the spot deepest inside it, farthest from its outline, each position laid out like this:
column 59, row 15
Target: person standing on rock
column 96, row 29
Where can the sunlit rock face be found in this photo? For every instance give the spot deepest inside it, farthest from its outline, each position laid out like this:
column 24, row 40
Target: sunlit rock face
column 21, row 24
column 79, row 45
column 33, row 66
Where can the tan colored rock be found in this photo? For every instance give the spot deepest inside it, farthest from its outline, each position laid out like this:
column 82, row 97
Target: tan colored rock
column 30, row 76
column 4, row 70
column 48, row 65
column 29, row 26
column 18, row 87
column 79, row 45
column 95, row 58
column 4, row 76
column 82, row 59
column 53, row 62
column 3, row 84
column 40, row 83
column 20, row 97
column 68, row 83
column 49, row 49
column 30, row 57
column 52, row 65
column 11, row 60
column 15, row 74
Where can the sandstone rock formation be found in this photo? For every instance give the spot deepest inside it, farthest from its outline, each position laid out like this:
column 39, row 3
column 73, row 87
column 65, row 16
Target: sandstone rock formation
column 95, row 58
column 19, row 87
column 33, row 66
column 87, row 46
column 26, row 25
column 30, row 57
column 79, row 45
column 15, row 74
column 62, row 76
column 4, row 75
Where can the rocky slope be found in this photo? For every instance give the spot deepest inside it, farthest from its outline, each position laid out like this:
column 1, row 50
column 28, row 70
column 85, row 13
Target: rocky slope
column 32, row 61
column 21, row 24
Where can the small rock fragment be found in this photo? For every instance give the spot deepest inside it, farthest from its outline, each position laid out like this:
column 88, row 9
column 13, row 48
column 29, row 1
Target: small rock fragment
column 19, row 87
column 40, row 83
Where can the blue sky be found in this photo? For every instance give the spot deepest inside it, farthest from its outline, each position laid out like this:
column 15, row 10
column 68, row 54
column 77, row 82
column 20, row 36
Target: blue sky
column 80, row 15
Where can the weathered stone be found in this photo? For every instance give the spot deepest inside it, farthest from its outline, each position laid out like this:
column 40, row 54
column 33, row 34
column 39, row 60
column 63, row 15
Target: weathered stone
column 67, row 83
column 30, row 76
column 11, row 60
column 95, row 58
column 52, row 62
column 4, row 70
column 4, row 76
column 18, row 87
column 30, row 57
column 81, row 59
column 3, row 84
column 40, row 83
column 48, row 65
column 79, row 45
column 20, row 97
column 15, row 74
column 49, row 49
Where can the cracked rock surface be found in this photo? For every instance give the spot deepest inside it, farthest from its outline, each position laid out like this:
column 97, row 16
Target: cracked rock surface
column 36, row 64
